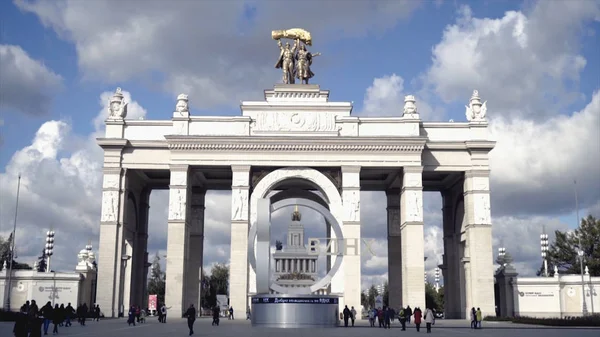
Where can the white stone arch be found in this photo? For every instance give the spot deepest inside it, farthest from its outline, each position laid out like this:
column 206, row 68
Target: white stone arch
column 321, row 182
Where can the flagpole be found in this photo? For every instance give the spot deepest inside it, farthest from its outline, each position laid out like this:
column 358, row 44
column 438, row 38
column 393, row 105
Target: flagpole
column 12, row 249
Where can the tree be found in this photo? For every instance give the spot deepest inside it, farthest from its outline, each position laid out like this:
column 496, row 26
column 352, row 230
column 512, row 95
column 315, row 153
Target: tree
column 42, row 264
column 563, row 251
column 156, row 282
column 386, row 294
column 434, row 299
column 373, row 293
column 364, row 300
column 7, row 255
column 218, row 284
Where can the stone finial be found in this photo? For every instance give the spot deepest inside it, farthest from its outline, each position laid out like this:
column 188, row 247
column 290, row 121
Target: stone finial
column 117, row 108
column 4, row 266
column 182, row 106
column 555, row 271
column 410, row 106
column 587, row 270
column 35, row 265
column 476, row 110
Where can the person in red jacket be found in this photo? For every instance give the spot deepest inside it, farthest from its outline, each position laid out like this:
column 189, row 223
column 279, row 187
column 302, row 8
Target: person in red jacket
column 418, row 315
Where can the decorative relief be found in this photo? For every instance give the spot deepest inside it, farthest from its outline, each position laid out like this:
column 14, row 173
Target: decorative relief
column 482, row 211
column 295, row 121
column 476, row 110
column 177, row 203
column 110, row 206
column 295, row 147
column 240, row 178
column 239, row 204
column 296, row 95
column 352, row 205
column 179, row 178
column 414, row 206
column 111, row 181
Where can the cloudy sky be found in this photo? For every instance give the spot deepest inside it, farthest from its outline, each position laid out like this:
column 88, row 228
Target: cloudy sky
column 537, row 64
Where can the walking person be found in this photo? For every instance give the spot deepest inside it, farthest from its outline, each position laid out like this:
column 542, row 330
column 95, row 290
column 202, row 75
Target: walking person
column 190, row 314
column 388, row 318
column 408, row 313
column 473, row 318
column 402, row 318
column 248, row 313
column 231, row 313
column 20, row 329
column 34, row 321
column 216, row 313
column 346, row 313
column 46, row 312
column 131, row 316
column 418, row 315
column 56, row 318
column 429, row 319
column 353, row 315
column 478, row 317
column 69, row 312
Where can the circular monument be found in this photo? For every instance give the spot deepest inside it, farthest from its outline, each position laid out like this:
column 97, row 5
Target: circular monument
column 291, row 307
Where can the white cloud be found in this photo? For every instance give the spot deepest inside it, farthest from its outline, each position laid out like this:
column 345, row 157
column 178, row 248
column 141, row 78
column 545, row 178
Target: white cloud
column 218, row 52
column 26, row 85
column 516, row 61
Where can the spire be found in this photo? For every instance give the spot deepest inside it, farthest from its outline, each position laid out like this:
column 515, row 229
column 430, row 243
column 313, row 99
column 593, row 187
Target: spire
column 296, row 216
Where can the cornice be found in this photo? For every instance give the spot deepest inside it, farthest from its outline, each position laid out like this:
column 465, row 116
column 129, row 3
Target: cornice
column 480, row 145
column 310, row 144
column 111, row 142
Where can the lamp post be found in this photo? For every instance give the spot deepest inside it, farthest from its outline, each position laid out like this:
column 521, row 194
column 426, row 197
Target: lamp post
column 580, row 252
column 12, row 250
column 437, row 279
column 501, row 254
column 544, row 247
column 49, row 248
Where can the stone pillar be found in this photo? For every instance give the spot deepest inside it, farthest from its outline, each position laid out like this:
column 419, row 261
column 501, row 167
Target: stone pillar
column 411, row 234
column 504, row 278
column 111, row 234
column 351, row 232
column 480, row 269
column 238, row 265
column 394, row 249
column 177, row 240
column 139, row 257
column 196, row 249
column 452, row 303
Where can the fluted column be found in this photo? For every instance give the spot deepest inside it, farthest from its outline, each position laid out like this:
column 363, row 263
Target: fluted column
column 239, row 271
column 411, row 233
column 178, row 239
column 351, row 268
column 394, row 248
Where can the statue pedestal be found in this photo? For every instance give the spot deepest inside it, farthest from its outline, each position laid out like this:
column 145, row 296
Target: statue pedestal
column 295, row 311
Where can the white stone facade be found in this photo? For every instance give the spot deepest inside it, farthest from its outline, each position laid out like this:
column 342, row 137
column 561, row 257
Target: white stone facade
column 293, row 141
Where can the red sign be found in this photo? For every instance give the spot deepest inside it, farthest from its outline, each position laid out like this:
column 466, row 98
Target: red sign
column 152, row 302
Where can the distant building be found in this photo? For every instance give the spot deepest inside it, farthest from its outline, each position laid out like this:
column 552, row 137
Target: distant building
column 294, row 267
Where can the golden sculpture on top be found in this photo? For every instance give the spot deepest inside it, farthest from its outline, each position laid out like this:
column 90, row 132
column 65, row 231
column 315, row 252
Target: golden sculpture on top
column 296, row 216
column 294, row 61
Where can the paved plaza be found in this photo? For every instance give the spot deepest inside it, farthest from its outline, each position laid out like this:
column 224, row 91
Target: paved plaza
column 118, row 328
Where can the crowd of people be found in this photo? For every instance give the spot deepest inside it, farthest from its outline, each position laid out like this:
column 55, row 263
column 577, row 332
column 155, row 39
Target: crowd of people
column 32, row 320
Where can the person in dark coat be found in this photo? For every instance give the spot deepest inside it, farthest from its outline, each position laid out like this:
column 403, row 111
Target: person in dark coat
column 21, row 328
column 347, row 313
column 69, row 312
column 131, row 316
column 34, row 321
column 190, row 314
column 216, row 312
column 47, row 313
column 56, row 318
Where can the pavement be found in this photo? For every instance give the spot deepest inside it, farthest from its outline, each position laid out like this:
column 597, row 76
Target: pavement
column 236, row 328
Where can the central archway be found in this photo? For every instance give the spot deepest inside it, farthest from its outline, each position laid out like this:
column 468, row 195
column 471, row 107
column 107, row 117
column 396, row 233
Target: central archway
column 316, row 179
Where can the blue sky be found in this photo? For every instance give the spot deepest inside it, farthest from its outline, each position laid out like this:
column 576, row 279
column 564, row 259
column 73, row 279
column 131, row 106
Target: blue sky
column 374, row 53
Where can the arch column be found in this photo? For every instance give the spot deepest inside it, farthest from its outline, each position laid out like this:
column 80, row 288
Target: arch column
column 351, row 269
column 238, row 265
column 178, row 239
column 451, row 262
column 479, row 269
column 196, row 248
column 411, row 236
column 394, row 249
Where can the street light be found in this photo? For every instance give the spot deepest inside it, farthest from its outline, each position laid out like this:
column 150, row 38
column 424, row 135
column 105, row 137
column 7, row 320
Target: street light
column 437, row 279
column 49, row 248
column 580, row 251
column 501, row 254
column 544, row 247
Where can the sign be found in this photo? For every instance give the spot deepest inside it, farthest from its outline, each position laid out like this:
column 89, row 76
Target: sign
column 379, row 301
column 345, row 246
column 152, row 302
column 296, row 300
column 222, row 302
column 536, row 294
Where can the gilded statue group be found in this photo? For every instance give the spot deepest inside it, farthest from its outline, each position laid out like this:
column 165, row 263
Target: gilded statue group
column 295, row 61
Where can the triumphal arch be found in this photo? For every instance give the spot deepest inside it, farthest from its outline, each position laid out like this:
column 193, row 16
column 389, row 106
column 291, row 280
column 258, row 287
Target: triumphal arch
column 296, row 141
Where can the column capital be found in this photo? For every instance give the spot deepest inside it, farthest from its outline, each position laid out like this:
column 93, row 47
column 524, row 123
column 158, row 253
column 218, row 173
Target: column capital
column 179, row 167
column 477, row 173
column 412, row 169
column 351, row 169
column 241, row 168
